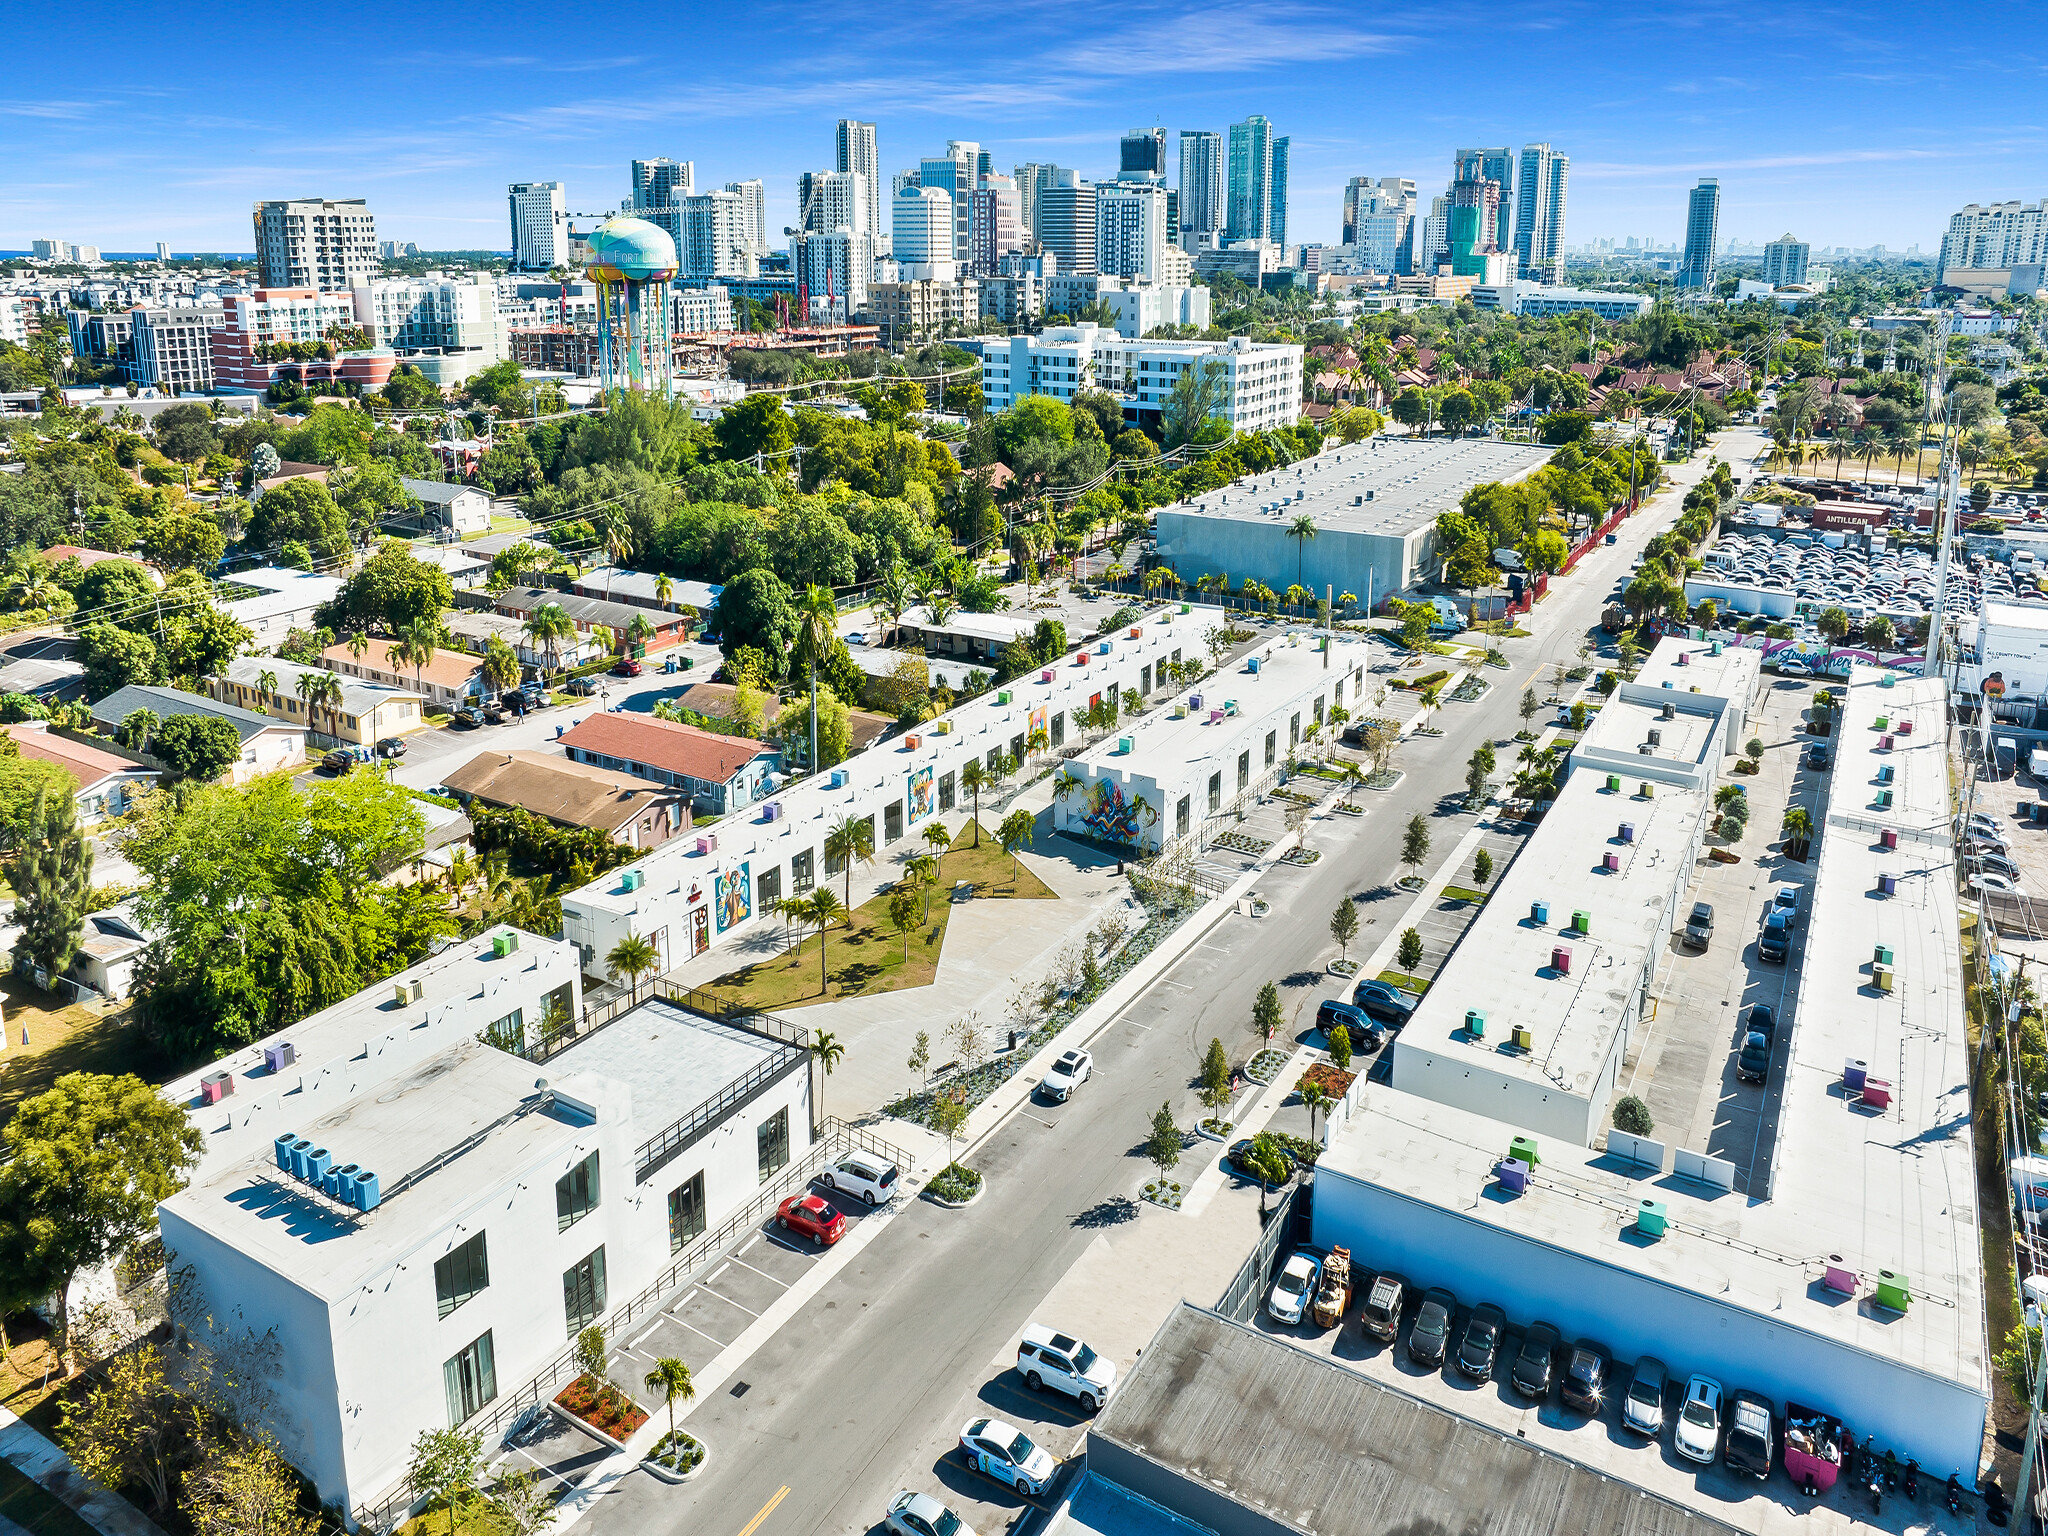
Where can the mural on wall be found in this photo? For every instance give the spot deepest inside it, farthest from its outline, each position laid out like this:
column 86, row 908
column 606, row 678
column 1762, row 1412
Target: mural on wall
column 734, row 898
column 1039, row 723
column 1110, row 815
column 921, row 801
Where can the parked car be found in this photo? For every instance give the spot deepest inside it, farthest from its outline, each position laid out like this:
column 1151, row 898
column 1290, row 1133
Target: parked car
column 1585, row 1376
column 1065, row 1075
column 1482, row 1341
column 811, row 1216
column 1642, row 1410
column 1008, row 1455
column 1381, row 1315
column 467, row 716
column 339, row 761
column 1064, row 1363
column 493, row 712
column 1817, row 756
column 626, row 666
column 919, row 1514
column 1699, row 927
column 1763, row 1022
column 582, row 687
column 391, row 746
column 1786, row 900
column 1753, row 1061
column 2000, row 885
column 1697, row 1435
column 1377, row 1000
column 1994, row 864
column 1431, row 1335
column 1751, row 1434
column 1292, row 1288
column 861, row 1174
column 1356, row 1022
column 1535, row 1361
column 1774, row 940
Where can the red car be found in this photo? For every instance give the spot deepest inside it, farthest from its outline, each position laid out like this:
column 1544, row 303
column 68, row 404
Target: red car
column 627, row 667
column 812, row 1215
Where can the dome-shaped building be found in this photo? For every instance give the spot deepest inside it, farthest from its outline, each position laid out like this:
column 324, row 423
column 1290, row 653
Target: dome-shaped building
column 624, row 249
column 632, row 261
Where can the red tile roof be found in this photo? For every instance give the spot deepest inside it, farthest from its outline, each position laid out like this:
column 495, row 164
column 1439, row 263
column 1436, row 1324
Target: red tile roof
column 88, row 765
column 665, row 744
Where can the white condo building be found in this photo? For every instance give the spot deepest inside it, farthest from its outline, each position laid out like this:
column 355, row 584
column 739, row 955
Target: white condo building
column 1261, row 380
column 1130, row 230
column 540, row 225
column 437, row 314
column 833, row 268
column 753, row 213
column 1540, row 189
column 854, row 154
column 315, row 243
column 921, row 227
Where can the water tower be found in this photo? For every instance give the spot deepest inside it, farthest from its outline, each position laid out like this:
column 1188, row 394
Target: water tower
column 631, row 261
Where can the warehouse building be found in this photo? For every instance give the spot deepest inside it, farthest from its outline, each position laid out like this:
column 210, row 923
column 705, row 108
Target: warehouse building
column 1374, row 505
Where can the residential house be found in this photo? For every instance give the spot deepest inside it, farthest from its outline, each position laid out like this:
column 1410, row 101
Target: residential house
column 456, row 509
column 447, row 679
column 109, row 946
column 475, row 630
column 107, row 783
column 616, row 584
column 637, row 812
column 269, row 743
column 57, row 554
column 287, row 470
column 720, row 774
column 588, row 613
column 367, row 712
column 278, row 601
column 466, row 567
column 43, row 667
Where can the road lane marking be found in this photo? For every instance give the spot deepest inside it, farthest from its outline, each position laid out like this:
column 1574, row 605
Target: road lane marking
column 766, row 1510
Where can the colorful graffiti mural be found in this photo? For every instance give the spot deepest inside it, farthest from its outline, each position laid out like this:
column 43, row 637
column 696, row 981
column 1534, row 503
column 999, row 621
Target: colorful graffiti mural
column 734, row 898
column 1110, row 815
column 920, row 800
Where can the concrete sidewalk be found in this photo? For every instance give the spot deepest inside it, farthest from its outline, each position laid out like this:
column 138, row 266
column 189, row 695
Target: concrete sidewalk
column 43, row 1464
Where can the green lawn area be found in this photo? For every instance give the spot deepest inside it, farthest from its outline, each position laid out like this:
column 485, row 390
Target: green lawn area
column 867, row 955
column 1462, row 893
column 1404, row 981
column 473, row 1517
column 66, row 1037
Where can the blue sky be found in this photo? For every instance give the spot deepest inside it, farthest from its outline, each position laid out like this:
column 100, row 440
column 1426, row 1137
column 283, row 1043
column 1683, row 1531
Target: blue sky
column 122, row 125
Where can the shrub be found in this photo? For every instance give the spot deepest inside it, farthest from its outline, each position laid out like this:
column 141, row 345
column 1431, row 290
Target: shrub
column 1409, row 955
column 1340, row 1048
column 1482, row 867
column 955, row 1182
column 1632, row 1115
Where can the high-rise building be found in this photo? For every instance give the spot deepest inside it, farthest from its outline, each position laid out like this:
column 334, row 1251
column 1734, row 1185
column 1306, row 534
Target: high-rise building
column 1026, row 177
column 1143, row 153
column 753, row 213
column 1202, row 195
column 833, row 267
column 854, row 153
column 1379, row 220
column 956, row 173
column 448, row 315
column 540, row 225
column 163, row 252
column 1474, row 217
column 1990, row 239
column 1433, row 237
column 172, row 348
column 1249, row 200
column 1130, row 230
column 997, row 216
column 1702, row 234
column 829, row 200
column 1066, row 222
column 1276, row 194
column 713, row 241
column 1539, row 213
column 1497, row 166
column 1785, row 261
column 921, row 230
column 315, row 243
column 658, row 183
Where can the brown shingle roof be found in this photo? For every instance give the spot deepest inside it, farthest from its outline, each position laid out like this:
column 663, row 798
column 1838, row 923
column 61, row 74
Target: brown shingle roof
column 665, row 744
column 560, row 790
column 88, row 765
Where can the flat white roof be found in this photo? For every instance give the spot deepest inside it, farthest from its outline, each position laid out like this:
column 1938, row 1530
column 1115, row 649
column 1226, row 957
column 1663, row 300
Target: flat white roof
column 1411, row 479
column 1732, row 674
column 672, row 1060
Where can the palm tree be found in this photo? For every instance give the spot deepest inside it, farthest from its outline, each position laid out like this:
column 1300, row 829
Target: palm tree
column 817, row 629
column 1301, row 530
column 266, row 682
column 604, row 638
column 826, row 1050
column 938, row 838
column 1037, row 741
column 632, row 957
column 823, row 909
column 974, row 778
column 500, row 665
column 319, row 688
column 851, row 837
column 547, row 627
column 1017, row 830
column 639, row 632
column 891, row 597
column 1869, row 449
column 358, row 643
column 923, row 872
column 1064, row 783
column 664, row 589
column 671, row 1378
column 1798, row 824
column 415, row 648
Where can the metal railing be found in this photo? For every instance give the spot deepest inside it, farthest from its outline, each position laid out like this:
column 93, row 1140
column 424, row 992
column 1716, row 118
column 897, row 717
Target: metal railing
column 1240, row 1299
column 502, row 1417
column 674, row 1140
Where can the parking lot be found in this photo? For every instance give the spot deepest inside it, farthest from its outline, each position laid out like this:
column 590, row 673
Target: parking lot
column 1682, row 1064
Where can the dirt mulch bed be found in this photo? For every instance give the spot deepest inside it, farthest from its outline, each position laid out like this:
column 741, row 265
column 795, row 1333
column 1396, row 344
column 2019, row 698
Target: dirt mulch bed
column 1333, row 1080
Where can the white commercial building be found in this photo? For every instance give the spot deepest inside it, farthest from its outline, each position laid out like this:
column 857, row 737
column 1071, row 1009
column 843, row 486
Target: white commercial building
column 854, row 153
column 540, row 225
column 1541, row 187
column 1214, row 747
column 1996, row 250
column 1261, row 381
column 753, row 198
column 1374, row 503
column 1849, row 1275
column 1203, row 161
column 696, row 892
column 418, row 1221
column 315, row 243
column 455, row 320
column 1066, row 222
column 714, row 236
column 921, row 230
column 833, row 268
column 1143, row 307
column 696, row 311
column 1785, row 261
column 830, row 200
column 1541, row 300
column 172, row 347
column 1130, row 230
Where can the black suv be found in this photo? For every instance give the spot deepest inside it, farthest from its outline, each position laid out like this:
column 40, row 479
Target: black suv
column 1535, row 1361
column 1585, row 1376
column 1431, row 1334
column 1482, row 1341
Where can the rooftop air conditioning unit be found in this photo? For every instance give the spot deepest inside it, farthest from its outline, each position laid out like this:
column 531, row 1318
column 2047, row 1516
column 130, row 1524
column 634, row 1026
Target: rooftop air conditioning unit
column 216, row 1086
column 405, row 992
column 279, row 1056
column 1670, row 712
column 1656, row 737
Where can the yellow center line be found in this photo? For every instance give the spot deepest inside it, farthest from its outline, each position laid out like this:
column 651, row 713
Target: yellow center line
column 766, row 1510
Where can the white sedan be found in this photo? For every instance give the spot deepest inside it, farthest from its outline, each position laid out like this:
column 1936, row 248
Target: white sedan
column 1698, row 1433
column 1065, row 1075
column 1292, row 1290
column 1996, row 884
column 1008, row 1455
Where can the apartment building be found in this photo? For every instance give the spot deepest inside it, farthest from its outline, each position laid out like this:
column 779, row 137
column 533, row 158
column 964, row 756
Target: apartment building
column 540, row 225
column 315, row 243
column 447, row 326
column 172, row 347
column 1261, row 381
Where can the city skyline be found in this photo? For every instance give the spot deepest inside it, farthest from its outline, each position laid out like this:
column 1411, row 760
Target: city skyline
column 1871, row 149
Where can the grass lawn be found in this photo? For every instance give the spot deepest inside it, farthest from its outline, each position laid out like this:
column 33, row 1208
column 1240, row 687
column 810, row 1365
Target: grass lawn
column 1404, row 981
column 66, row 1037
column 473, row 1517
column 867, row 955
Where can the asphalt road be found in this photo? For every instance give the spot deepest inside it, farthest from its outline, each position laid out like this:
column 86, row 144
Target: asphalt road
column 860, row 1393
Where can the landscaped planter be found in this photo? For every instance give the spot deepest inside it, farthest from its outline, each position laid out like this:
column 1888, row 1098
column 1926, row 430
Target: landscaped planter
column 1214, row 1130
column 1470, row 690
column 1332, row 1079
column 602, row 1409
column 1346, row 808
column 1163, row 1192
column 1300, row 856
column 956, row 1187
column 1390, row 779
column 1265, row 1066
column 677, row 1457
column 1343, row 968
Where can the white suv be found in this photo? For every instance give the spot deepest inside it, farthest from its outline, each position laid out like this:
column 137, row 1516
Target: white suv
column 1049, row 1359
column 869, row 1177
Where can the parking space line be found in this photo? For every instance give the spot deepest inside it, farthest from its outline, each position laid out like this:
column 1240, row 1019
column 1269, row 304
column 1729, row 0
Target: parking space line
column 762, row 1273
column 720, row 1343
column 729, row 1301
